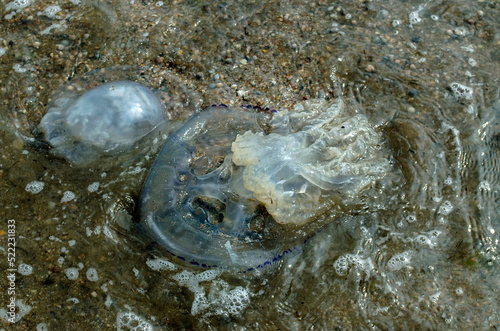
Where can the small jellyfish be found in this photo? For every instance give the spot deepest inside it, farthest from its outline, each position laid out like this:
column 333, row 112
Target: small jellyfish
column 105, row 120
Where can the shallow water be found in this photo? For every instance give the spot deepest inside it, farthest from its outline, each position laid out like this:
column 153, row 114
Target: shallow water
column 419, row 252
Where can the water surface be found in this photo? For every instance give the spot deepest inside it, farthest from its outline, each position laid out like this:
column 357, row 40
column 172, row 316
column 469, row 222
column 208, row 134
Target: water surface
column 420, row 251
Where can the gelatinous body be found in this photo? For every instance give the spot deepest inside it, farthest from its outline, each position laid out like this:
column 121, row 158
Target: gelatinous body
column 311, row 158
column 194, row 202
column 106, row 119
column 233, row 188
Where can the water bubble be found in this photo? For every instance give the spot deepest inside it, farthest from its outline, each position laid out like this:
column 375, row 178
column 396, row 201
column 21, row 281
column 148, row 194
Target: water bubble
column 235, row 300
column 92, row 275
column 461, row 91
column 17, row 4
column 68, row 196
column 24, row 269
column 484, row 185
column 414, row 17
column 51, row 11
column 108, row 301
column 34, row 187
column 93, row 187
column 399, row 261
column 131, row 321
column 160, row 264
column 345, row 262
column 72, row 273
column 411, row 218
column 445, row 208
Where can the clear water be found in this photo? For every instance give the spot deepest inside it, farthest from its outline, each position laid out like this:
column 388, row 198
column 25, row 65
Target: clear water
column 421, row 252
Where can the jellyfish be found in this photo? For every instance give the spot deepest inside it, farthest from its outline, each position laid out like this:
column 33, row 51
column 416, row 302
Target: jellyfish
column 106, row 120
column 240, row 189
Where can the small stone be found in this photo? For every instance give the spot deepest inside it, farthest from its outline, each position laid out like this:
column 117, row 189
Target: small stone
column 370, row 68
column 243, row 61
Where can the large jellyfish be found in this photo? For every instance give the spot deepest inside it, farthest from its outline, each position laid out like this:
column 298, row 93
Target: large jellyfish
column 239, row 189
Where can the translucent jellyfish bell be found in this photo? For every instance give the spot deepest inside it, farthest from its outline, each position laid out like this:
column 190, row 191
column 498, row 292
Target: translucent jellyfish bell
column 239, row 190
column 105, row 120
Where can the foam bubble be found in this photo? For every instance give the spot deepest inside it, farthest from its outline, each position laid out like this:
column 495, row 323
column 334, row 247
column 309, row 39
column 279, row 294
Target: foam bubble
column 424, row 240
column 160, row 264
column 183, row 277
column 461, row 91
column 411, row 218
column 19, row 68
column 345, row 262
column 35, row 187
column 108, row 301
column 93, row 187
column 72, row 273
column 207, row 275
column 399, row 261
column 484, row 185
column 23, row 309
column 414, row 17
column 130, row 321
column 222, row 301
column 200, row 303
column 445, row 208
column 68, row 196
column 24, row 269
column 236, row 300
column 51, row 11
column 17, row 4
column 92, row 275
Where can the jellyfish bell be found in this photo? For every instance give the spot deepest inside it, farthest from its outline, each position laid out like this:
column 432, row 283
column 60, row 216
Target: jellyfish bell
column 240, row 190
column 106, row 120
